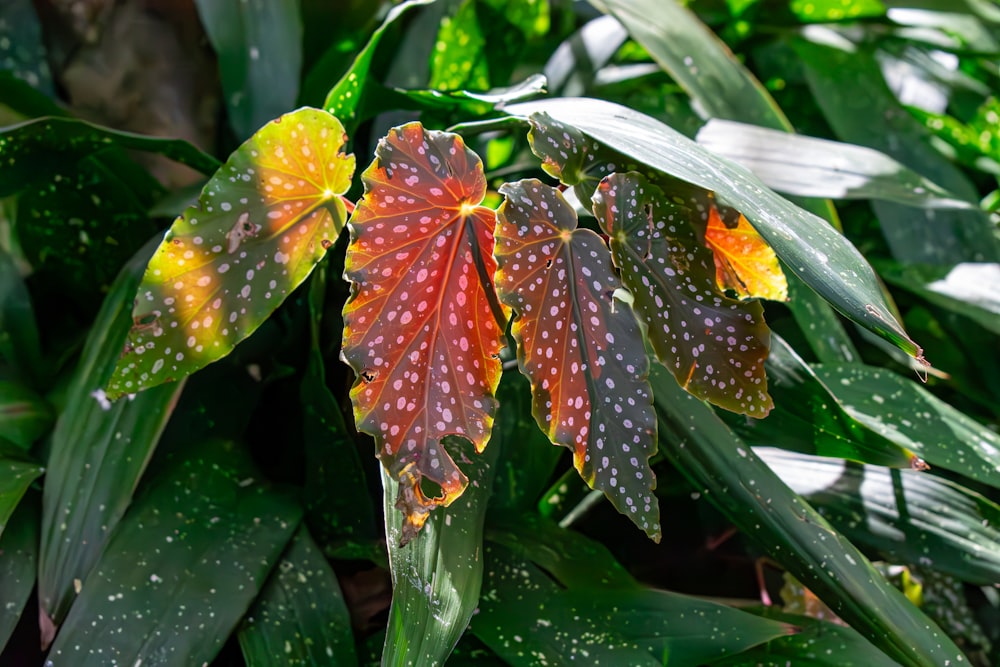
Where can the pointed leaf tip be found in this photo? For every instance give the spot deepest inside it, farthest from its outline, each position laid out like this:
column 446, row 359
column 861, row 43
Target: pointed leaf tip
column 261, row 224
column 580, row 346
column 423, row 329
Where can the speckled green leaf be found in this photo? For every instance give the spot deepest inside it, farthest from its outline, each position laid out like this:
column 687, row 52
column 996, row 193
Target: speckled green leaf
column 806, row 244
column 347, row 96
column 16, row 475
column 904, row 516
column 20, row 342
column 259, row 46
column 809, row 418
column 816, row 644
column 737, row 482
column 182, row 568
column 798, row 165
column 22, row 50
column 579, row 344
column 902, row 411
column 24, row 415
column 300, row 614
column 460, row 60
column 98, row 451
column 261, row 224
column 818, row 11
column 19, row 551
column 714, row 345
column 37, row 148
column 528, row 619
column 848, row 84
column 437, row 575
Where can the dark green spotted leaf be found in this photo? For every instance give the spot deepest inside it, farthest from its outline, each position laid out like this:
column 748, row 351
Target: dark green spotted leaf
column 182, row 568
column 904, row 516
column 528, row 619
column 37, row 148
column 19, row 548
column 809, row 418
column 808, row 245
column 580, row 345
column 98, row 451
column 902, row 411
column 727, row 472
column 817, row 644
column 261, row 224
column 462, row 63
column 300, row 614
column 22, row 51
column 715, row 346
column 259, row 46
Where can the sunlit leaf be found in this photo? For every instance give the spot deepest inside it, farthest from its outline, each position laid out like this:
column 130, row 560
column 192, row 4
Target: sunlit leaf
column 715, row 346
column 261, row 224
column 744, row 262
column 580, row 345
column 423, row 329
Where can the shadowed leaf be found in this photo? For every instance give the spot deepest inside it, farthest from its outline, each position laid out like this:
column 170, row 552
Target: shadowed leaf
column 19, row 547
column 580, row 346
column 715, row 346
column 261, row 224
column 423, row 329
column 744, row 262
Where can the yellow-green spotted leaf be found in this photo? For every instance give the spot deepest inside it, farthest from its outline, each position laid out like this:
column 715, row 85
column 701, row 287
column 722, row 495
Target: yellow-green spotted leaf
column 260, row 226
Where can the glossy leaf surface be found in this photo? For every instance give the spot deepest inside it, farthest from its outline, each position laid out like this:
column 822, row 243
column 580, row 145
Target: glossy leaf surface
column 16, row 475
column 423, row 329
column 196, row 547
column 300, row 613
column 98, row 451
column 736, row 481
column 813, row 167
column 905, row 516
column 580, row 345
column 808, row 245
column 715, row 346
column 744, row 263
column 260, row 225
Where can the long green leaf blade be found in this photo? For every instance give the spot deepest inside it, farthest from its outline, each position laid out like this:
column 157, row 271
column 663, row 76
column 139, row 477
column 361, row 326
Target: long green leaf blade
column 807, row 245
column 792, row 532
column 19, row 551
column 798, row 165
column 183, row 567
column 300, row 614
column 98, row 451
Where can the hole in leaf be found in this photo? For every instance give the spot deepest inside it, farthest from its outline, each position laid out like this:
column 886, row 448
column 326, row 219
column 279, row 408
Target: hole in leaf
column 145, row 320
column 430, row 489
column 369, row 375
column 326, row 243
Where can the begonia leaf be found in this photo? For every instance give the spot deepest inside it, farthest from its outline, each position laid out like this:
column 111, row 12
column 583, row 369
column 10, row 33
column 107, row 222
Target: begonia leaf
column 262, row 223
column 715, row 346
column 580, row 345
column 744, row 262
column 423, row 329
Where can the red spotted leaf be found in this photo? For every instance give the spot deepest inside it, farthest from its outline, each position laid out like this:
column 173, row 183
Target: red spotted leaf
column 580, row 346
column 261, row 224
column 744, row 262
column 715, row 346
column 423, row 329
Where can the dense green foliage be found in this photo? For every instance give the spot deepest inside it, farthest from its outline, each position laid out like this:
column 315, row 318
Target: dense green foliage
column 210, row 454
